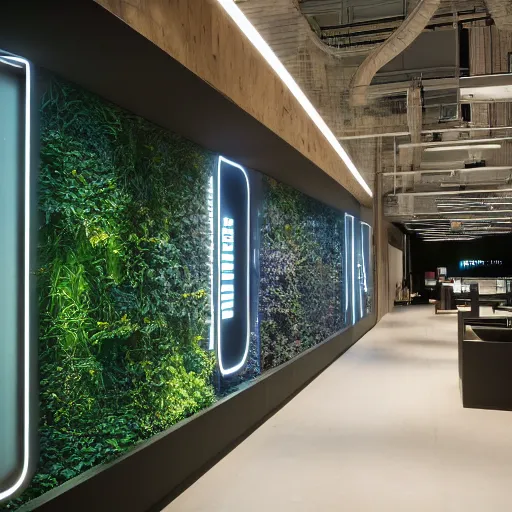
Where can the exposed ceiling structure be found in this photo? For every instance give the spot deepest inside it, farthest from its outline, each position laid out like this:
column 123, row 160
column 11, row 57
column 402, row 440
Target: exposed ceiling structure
column 419, row 92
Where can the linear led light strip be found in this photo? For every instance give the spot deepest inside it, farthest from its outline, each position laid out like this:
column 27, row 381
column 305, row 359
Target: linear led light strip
column 353, row 275
column 352, row 284
column 442, row 220
column 449, row 239
column 447, row 229
column 472, row 205
column 212, row 253
column 365, row 284
column 466, row 147
column 266, row 52
column 460, row 212
column 454, row 143
column 451, row 192
column 233, row 369
column 19, row 62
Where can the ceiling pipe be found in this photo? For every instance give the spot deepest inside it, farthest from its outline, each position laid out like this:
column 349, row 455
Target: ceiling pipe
column 465, row 212
column 465, row 201
column 471, row 231
column 448, row 222
column 450, row 142
column 439, row 219
column 448, row 229
column 395, row 44
column 442, row 171
column 474, row 183
column 476, row 199
column 450, row 164
column 470, row 205
column 466, row 147
column 451, row 192
column 426, row 132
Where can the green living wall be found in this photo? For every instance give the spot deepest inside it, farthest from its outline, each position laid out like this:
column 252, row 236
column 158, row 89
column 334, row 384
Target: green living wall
column 124, row 282
column 301, row 271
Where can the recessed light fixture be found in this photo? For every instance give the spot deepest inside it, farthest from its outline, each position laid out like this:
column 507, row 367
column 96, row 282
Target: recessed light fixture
column 464, row 142
column 464, row 147
column 465, row 239
column 266, row 52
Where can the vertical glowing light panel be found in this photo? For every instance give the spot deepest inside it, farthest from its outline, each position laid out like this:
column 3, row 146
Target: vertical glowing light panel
column 17, row 421
column 232, row 284
column 211, row 262
column 350, row 292
column 366, row 285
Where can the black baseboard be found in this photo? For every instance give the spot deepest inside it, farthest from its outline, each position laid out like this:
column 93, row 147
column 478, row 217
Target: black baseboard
column 156, row 471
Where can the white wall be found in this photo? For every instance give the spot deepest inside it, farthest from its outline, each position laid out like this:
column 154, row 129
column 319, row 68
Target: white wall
column 395, row 272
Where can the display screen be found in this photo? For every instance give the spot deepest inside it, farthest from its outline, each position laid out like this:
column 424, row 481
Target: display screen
column 467, row 264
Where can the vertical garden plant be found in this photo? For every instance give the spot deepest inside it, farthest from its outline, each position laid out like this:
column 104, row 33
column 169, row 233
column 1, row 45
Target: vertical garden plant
column 301, row 273
column 123, row 282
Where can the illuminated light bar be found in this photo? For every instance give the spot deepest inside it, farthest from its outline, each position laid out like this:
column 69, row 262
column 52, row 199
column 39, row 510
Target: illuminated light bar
column 470, row 205
column 365, row 280
column 440, row 220
column 464, row 147
column 454, row 143
column 449, row 193
column 350, row 291
column 266, row 52
column 15, row 482
column 465, row 239
column 233, row 267
column 461, row 212
column 211, row 345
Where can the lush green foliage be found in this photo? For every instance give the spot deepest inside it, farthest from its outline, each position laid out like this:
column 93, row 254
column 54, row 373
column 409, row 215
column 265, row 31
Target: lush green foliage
column 301, row 273
column 123, row 283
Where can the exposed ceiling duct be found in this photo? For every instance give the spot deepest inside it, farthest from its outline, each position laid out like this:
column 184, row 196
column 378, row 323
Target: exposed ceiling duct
column 428, row 129
column 408, row 31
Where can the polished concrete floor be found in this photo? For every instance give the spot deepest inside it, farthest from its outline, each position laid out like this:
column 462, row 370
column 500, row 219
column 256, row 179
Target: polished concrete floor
column 382, row 429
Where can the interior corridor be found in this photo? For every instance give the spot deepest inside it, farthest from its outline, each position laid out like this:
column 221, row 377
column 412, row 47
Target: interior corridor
column 382, row 429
